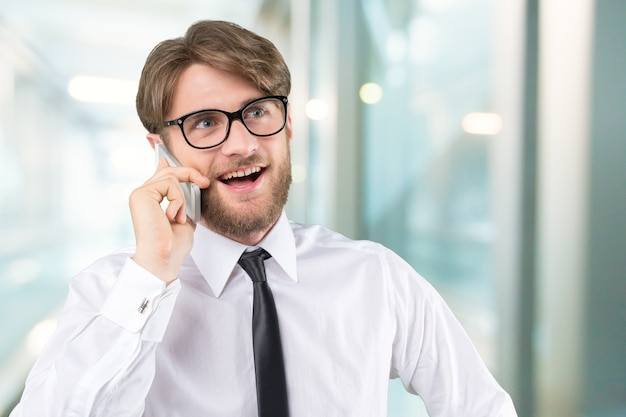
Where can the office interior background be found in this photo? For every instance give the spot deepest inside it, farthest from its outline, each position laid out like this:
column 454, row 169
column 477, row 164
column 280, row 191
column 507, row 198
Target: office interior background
column 482, row 140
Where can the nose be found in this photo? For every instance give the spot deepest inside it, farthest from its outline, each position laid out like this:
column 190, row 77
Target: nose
column 239, row 142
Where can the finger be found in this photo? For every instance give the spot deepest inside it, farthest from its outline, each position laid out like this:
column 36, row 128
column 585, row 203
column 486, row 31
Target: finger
column 171, row 189
column 181, row 215
column 175, row 211
column 155, row 190
column 162, row 163
column 183, row 174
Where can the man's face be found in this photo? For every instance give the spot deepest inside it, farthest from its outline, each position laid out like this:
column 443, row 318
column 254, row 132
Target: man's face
column 250, row 176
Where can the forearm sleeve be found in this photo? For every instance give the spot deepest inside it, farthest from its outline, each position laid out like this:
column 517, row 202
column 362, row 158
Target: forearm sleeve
column 101, row 359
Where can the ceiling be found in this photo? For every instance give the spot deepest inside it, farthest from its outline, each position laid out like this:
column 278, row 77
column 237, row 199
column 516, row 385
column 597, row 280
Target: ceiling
column 109, row 35
column 53, row 41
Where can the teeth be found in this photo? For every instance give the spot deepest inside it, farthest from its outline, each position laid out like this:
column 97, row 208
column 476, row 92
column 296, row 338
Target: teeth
column 239, row 174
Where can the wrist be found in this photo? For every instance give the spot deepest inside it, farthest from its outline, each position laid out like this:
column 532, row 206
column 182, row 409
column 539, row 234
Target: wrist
column 164, row 269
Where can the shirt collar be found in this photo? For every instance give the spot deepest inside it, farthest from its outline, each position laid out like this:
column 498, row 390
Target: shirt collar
column 216, row 255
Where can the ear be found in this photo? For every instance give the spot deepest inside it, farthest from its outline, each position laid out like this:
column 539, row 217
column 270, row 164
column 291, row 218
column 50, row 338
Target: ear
column 288, row 123
column 154, row 138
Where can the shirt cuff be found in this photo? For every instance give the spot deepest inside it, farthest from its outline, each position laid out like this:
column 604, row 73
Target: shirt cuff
column 137, row 296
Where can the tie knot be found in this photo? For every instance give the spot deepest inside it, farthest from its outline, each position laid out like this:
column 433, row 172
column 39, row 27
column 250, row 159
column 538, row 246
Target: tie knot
column 252, row 263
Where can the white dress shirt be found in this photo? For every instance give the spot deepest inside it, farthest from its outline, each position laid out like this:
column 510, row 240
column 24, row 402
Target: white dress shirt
column 352, row 314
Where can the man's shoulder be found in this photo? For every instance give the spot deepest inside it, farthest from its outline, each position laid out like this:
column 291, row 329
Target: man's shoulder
column 314, row 242
column 112, row 261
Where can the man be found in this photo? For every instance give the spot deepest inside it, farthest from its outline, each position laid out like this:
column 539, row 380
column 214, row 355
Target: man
column 169, row 327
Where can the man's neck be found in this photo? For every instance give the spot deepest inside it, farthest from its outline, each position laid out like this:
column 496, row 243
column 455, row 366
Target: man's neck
column 251, row 239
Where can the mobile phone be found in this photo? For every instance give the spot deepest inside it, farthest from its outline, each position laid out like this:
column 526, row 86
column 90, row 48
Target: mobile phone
column 191, row 190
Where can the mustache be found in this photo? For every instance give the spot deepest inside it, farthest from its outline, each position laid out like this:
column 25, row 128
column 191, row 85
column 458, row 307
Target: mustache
column 234, row 164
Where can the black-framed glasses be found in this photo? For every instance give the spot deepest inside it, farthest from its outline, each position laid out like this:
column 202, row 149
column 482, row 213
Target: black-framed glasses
column 204, row 129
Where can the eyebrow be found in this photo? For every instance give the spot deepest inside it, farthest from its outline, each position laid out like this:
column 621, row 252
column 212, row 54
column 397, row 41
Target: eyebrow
column 243, row 104
column 246, row 102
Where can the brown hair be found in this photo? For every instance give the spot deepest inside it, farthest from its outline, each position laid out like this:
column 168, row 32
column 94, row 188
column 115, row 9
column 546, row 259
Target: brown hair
column 222, row 45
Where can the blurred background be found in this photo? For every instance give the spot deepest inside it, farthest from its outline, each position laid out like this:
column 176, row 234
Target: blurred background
column 482, row 140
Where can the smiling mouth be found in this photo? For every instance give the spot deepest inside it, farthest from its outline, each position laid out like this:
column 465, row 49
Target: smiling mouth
column 248, row 175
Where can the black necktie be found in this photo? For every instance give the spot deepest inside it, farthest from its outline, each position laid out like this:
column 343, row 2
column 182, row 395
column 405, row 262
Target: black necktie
column 268, row 353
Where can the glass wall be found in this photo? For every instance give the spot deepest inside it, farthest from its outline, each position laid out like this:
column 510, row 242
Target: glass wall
column 421, row 83
column 486, row 148
column 426, row 186
column 426, row 182
column 64, row 175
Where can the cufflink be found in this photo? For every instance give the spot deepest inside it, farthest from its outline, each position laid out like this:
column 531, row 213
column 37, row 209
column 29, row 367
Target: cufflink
column 143, row 306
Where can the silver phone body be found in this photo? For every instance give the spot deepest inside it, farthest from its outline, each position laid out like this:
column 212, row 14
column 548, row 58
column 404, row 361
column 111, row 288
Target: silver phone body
column 191, row 190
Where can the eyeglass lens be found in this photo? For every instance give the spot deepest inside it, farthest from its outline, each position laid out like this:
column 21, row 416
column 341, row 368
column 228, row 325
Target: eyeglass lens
column 208, row 128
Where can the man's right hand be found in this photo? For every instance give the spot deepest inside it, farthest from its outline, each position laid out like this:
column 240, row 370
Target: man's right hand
column 163, row 238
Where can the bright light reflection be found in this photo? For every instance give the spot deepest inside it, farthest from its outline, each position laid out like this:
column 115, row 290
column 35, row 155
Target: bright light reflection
column 482, row 123
column 103, row 90
column 396, row 46
column 370, row 93
column 39, row 335
column 316, row 109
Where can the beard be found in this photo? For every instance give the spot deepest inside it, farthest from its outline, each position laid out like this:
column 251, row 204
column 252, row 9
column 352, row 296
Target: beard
column 260, row 215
